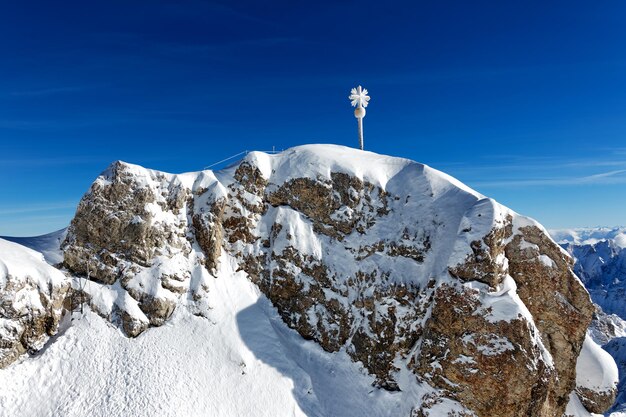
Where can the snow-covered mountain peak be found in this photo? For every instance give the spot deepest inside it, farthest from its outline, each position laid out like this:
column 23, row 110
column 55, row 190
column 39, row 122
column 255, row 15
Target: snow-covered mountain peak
column 441, row 294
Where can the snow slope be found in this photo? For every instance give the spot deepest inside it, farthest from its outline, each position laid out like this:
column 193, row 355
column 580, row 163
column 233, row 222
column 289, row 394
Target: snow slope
column 241, row 361
column 595, row 369
column 49, row 244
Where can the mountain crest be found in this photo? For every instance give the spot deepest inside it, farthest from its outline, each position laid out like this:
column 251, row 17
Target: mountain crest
column 434, row 288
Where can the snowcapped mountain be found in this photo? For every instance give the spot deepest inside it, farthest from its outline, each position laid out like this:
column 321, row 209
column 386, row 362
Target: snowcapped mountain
column 600, row 261
column 320, row 281
column 590, row 236
column 600, row 256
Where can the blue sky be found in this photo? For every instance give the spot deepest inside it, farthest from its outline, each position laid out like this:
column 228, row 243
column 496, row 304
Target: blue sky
column 524, row 101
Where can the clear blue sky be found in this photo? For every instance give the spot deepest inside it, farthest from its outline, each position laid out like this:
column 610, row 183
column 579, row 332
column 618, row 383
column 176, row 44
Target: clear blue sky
column 524, row 101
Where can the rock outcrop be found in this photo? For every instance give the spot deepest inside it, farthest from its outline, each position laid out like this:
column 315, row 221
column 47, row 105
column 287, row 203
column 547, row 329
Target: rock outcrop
column 425, row 282
column 32, row 294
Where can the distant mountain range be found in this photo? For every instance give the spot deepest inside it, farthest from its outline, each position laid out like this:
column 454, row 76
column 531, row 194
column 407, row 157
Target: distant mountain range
column 600, row 256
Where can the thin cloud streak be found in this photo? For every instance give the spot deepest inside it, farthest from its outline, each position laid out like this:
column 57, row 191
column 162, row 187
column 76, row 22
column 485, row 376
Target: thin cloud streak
column 84, row 160
column 605, row 178
column 535, row 165
column 53, row 124
column 38, row 208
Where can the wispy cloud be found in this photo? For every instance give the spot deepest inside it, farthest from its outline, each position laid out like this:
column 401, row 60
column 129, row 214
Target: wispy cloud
column 610, row 177
column 44, row 124
column 51, row 161
column 508, row 170
column 34, row 225
column 605, row 174
column 38, row 208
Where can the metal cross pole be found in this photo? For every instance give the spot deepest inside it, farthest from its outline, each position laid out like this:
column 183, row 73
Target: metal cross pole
column 360, row 121
column 359, row 99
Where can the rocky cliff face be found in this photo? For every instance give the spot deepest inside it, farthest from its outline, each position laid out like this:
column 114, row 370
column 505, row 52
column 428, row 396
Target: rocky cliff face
column 434, row 288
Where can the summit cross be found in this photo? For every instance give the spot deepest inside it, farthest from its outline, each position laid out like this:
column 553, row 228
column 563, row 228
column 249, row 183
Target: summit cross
column 359, row 99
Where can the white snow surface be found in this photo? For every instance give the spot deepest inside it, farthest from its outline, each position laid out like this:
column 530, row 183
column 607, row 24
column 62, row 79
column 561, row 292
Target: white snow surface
column 20, row 263
column 49, row 244
column 241, row 361
column 595, row 369
column 575, row 408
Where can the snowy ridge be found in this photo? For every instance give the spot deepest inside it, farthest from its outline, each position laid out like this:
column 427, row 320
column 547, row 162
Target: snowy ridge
column 454, row 205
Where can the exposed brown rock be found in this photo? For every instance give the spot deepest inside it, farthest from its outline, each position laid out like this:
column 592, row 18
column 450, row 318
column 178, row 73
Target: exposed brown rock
column 555, row 297
column 594, row 401
column 26, row 328
column 114, row 235
column 482, row 265
column 484, row 365
column 132, row 327
column 209, row 233
column 321, row 200
column 250, row 178
column 113, row 224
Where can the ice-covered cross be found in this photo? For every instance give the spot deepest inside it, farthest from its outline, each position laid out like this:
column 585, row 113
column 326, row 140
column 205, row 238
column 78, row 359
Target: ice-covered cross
column 359, row 99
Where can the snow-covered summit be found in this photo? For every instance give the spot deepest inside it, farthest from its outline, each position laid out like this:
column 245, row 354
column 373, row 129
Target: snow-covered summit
column 443, row 296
